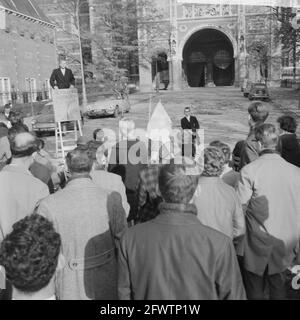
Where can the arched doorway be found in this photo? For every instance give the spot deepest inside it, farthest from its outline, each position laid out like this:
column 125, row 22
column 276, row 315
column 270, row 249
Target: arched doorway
column 208, row 59
column 160, row 71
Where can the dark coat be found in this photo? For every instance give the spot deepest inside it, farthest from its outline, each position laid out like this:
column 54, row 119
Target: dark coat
column 187, row 148
column 174, row 256
column 120, row 163
column 289, row 148
column 193, row 124
column 60, row 80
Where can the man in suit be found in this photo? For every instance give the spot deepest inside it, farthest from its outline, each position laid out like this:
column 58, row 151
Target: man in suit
column 190, row 123
column 62, row 78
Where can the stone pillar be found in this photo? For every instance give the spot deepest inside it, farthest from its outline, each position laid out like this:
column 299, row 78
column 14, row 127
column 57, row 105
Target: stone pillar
column 177, row 74
column 238, row 72
column 210, row 79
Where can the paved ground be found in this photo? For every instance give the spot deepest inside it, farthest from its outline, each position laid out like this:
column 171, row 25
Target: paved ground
column 221, row 111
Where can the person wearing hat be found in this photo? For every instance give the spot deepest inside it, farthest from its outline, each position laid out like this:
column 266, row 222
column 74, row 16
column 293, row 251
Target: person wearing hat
column 62, row 78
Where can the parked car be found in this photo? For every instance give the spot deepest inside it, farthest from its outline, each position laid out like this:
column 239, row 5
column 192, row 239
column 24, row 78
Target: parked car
column 107, row 106
column 259, row 91
column 246, row 87
column 44, row 122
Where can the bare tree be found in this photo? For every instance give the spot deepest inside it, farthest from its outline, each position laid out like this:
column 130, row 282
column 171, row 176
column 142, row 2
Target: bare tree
column 285, row 34
column 123, row 35
column 260, row 58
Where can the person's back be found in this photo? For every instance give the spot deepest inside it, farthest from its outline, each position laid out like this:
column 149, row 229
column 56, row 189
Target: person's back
column 122, row 153
column 290, row 148
column 128, row 157
column 20, row 191
column 87, row 218
column 80, row 216
column 219, row 207
column 174, row 256
column 217, row 203
column 111, row 182
column 278, row 182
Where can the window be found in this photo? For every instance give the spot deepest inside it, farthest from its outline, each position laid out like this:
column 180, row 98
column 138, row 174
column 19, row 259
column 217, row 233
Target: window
column 30, row 87
column 4, row 90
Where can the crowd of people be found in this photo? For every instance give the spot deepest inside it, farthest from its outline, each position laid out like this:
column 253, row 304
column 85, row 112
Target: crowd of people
column 108, row 229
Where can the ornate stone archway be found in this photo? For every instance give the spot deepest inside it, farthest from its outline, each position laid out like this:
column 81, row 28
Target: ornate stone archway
column 225, row 31
column 207, row 67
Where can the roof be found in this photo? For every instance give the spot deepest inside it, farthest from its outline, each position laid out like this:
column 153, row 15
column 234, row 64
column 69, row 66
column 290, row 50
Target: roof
column 26, row 7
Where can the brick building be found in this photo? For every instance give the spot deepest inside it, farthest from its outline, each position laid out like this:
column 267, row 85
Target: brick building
column 91, row 23
column 27, row 53
column 63, row 14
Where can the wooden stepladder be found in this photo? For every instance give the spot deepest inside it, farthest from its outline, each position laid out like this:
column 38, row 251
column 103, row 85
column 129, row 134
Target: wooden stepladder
column 65, row 139
column 66, row 114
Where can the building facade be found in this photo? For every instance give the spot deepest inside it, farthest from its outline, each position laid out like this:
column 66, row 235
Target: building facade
column 211, row 45
column 27, row 53
column 69, row 20
column 191, row 45
column 95, row 35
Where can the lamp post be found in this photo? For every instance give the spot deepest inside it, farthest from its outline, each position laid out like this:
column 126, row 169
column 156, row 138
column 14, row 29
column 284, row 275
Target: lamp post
column 84, row 97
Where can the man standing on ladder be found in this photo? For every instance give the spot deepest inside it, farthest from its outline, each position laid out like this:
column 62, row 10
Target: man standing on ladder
column 62, row 78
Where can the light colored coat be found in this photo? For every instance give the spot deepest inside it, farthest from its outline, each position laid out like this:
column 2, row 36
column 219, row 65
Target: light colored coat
column 269, row 189
column 20, row 194
column 219, row 207
column 88, row 219
column 112, row 182
column 5, row 152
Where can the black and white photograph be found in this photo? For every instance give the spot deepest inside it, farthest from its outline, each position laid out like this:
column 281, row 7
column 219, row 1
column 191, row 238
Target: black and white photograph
column 149, row 151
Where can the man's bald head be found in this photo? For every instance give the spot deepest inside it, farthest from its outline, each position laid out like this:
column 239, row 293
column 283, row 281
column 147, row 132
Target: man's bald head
column 23, row 144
